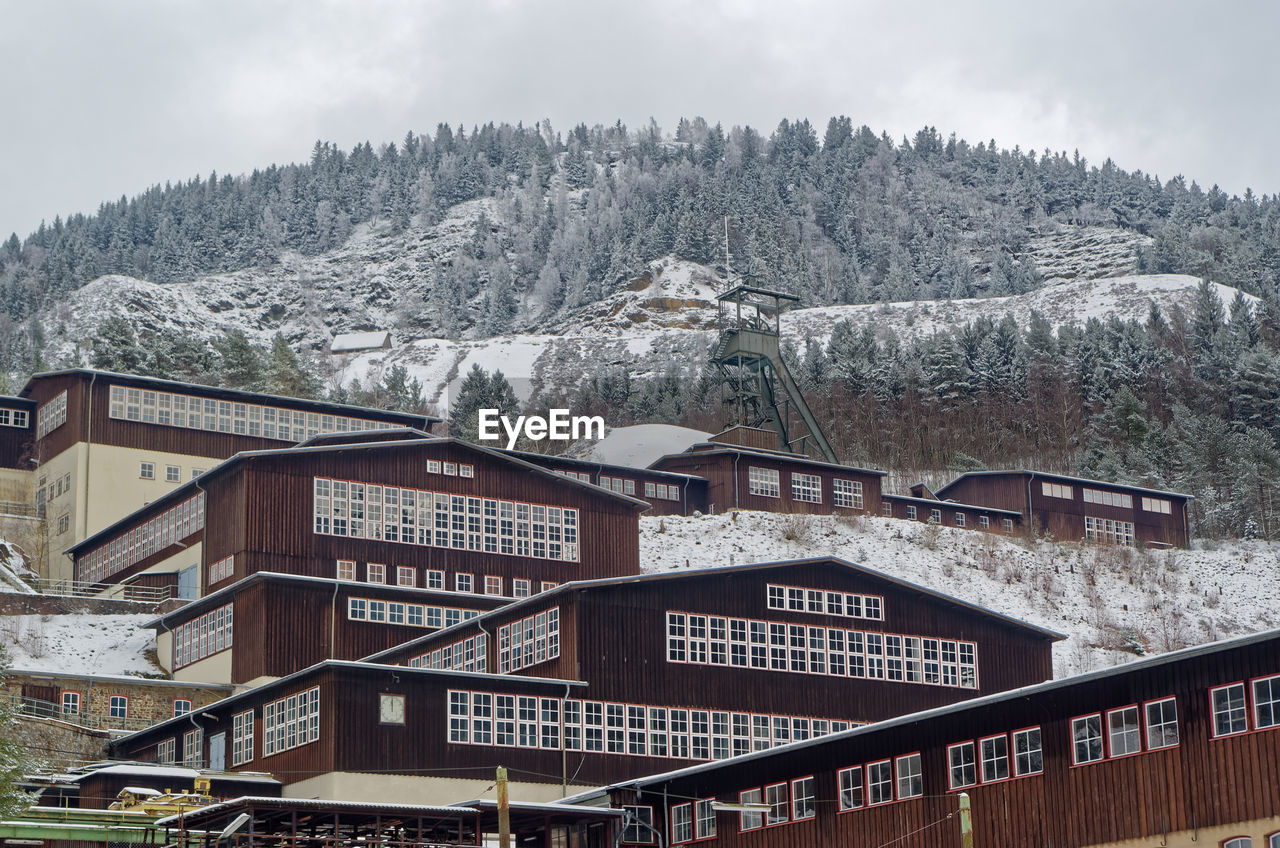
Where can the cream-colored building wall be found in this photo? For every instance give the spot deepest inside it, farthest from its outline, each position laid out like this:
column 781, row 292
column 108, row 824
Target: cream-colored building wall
column 114, row 489
column 1205, row 837
column 214, row 669
column 17, row 485
column 164, row 650
column 417, row 789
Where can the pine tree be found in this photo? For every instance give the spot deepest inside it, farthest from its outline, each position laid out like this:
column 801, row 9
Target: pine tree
column 286, row 374
column 115, row 348
column 14, row 760
column 240, row 362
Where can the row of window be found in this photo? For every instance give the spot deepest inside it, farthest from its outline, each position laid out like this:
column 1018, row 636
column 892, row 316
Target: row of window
column 1272, row 841
column 1157, row 505
column 665, row 492
column 766, row 482
column 470, row 654
column 1098, row 496
column 1093, row 740
column 1057, row 490
column 1231, row 706
column 823, row 602
column 965, row 766
column 443, row 520
column 779, row 646
column 202, row 636
column 222, row 569
column 60, row 486
column 1107, row 530
column 153, row 535
column 405, row 575
column 411, row 615
column 246, row 419
column 51, row 415
column 290, row 722
column 935, row 517
column 526, row 721
column 14, row 418
column 117, row 705
column 172, row 473
column 529, row 641
column 192, row 749
column 451, row 469
column 242, row 738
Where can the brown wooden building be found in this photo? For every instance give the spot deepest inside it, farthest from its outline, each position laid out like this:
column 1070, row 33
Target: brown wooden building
column 437, row 513
column 1074, row 508
column 17, row 427
column 817, row 639
column 97, row 786
column 269, row 625
column 950, row 514
column 773, row 481
column 139, row 438
column 667, row 493
column 1176, row 750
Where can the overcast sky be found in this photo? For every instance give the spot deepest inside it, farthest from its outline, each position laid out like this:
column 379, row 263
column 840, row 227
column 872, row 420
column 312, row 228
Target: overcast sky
column 104, row 99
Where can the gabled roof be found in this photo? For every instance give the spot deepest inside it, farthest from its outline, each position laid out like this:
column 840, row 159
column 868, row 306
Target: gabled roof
column 198, row 484
column 935, row 502
column 718, row 448
column 14, row 401
column 534, row 458
column 951, row 709
column 160, row 384
column 344, row 342
column 1084, row 481
column 694, row 573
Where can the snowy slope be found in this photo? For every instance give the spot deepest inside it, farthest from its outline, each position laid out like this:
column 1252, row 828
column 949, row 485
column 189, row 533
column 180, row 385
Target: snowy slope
column 1104, row 598
column 81, row 644
column 641, row 444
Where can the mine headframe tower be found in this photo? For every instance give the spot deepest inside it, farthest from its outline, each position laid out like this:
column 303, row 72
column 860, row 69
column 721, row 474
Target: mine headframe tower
column 760, row 388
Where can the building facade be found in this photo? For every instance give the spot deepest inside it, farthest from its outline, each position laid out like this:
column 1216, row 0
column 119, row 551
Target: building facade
column 667, row 493
column 1074, row 508
column 1176, row 750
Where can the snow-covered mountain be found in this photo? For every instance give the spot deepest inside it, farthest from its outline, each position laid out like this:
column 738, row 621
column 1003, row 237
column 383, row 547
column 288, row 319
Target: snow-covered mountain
column 667, row 314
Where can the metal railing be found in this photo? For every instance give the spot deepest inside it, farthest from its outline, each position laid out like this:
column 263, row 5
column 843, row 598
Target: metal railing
column 23, row 706
column 103, row 591
column 19, row 508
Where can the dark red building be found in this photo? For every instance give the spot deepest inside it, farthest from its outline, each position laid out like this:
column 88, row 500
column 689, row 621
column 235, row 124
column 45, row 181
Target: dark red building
column 437, row 513
column 1073, row 508
column 1181, row 749
column 667, row 493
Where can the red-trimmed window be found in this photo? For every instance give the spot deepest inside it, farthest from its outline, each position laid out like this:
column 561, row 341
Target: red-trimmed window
column 1086, row 739
column 681, row 823
column 775, row 795
column 704, row 819
column 1162, row 723
column 748, row 820
column 1230, row 715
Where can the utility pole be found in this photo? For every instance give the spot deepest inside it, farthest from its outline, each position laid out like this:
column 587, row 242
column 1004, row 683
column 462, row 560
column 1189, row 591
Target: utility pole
column 504, row 810
column 966, row 822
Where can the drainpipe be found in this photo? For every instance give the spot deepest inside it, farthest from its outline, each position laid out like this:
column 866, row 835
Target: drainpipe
column 736, row 457
column 333, row 621
column 82, row 529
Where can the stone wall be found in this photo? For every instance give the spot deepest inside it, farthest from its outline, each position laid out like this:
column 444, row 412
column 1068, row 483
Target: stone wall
column 147, row 701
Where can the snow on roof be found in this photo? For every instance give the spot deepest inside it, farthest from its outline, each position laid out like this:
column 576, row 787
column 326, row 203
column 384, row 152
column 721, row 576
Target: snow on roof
column 346, row 342
column 640, row 445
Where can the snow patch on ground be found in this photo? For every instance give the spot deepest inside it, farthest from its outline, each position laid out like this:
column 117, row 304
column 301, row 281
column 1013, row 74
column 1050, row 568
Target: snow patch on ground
column 81, row 643
column 1110, row 601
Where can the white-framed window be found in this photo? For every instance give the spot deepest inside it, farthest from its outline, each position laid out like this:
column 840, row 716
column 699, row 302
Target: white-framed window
column 51, row 416
column 775, row 795
column 852, row 794
column 346, row 569
column 64, row 523
column 375, row 572
column 166, row 751
column 492, row 585
column 806, row 487
column 196, row 472
column 406, row 576
column 520, row 588
column 193, row 749
column 1007, row 523
column 880, row 782
column 181, row 706
column 1162, row 723
column 13, row 418
column 639, row 824
column 435, row 578
column 959, row 519
column 546, row 585
column 935, row 516
column 118, row 706
column 222, row 569
column 1238, row 842
column 911, row 512
column 1266, row 702
column 994, row 751
column 147, row 470
column 1107, row 530
column 1086, row 739
column 909, row 777
column 203, row 636
column 804, row 802
column 962, row 766
column 1124, row 734
column 763, row 482
column 886, row 509
column 1157, row 505
column 984, row 522
column 704, row 819
column 846, row 493
column 1057, row 490
column 1229, row 713
column 1100, row 496
column 1028, row 755
column 450, row 469
column 291, row 722
column 466, row 470
column 748, row 820
column 463, row 582
column 681, row 823
column 172, row 474
column 242, row 738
